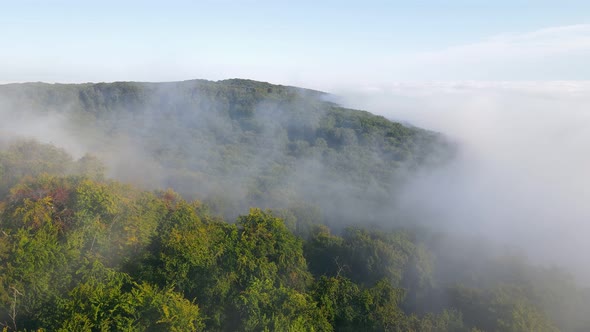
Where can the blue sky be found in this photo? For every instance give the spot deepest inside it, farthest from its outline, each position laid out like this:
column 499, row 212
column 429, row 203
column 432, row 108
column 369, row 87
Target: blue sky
column 312, row 43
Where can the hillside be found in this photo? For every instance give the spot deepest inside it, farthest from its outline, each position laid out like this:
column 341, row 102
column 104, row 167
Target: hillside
column 82, row 253
column 281, row 217
column 233, row 143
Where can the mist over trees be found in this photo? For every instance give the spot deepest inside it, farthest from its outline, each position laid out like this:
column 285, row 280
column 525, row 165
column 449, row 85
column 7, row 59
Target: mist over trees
column 233, row 143
column 281, row 217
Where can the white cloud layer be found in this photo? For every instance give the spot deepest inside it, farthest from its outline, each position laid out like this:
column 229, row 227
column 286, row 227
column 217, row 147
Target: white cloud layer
column 555, row 53
column 522, row 178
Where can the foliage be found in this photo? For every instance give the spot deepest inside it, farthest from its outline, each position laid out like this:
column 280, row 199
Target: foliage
column 88, row 255
column 79, row 252
column 238, row 143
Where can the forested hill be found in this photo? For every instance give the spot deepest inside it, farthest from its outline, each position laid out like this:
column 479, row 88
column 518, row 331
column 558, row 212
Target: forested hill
column 234, row 143
column 92, row 239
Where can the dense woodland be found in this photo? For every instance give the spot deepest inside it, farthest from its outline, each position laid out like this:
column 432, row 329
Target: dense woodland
column 233, row 144
column 275, row 221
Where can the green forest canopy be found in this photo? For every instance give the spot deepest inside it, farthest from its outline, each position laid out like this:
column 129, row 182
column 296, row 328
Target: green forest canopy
column 236, row 143
column 82, row 252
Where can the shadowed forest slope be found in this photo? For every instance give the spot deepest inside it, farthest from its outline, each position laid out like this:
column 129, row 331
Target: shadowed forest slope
column 233, row 143
column 281, row 217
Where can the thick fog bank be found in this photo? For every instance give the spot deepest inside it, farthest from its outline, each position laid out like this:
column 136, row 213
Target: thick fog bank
column 522, row 177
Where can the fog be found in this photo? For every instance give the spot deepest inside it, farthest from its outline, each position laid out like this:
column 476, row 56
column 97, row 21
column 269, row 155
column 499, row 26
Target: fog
column 179, row 135
column 522, row 176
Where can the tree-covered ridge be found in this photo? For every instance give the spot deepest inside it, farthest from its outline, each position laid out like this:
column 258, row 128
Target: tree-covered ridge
column 240, row 142
column 81, row 253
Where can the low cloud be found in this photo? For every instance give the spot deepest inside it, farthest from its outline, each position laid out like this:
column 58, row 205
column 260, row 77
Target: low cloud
column 522, row 175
